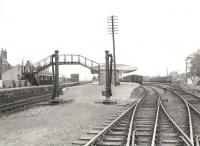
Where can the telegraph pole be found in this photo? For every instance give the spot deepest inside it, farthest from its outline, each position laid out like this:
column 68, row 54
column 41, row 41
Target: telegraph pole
column 186, row 71
column 167, row 71
column 112, row 29
column 186, row 67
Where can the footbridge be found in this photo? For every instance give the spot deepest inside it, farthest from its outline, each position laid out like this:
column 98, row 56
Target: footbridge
column 30, row 72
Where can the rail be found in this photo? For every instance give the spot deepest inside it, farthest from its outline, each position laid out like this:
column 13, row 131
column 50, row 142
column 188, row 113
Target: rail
column 197, row 140
column 198, row 113
column 190, row 105
column 190, row 93
column 189, row 116
column 177, row 127
column 193, row 108
column 156, row 120
column 189, row 140
column 131, row 134
column 27, row 95
column 93, row 140
column 183, row 136
column 12, row 107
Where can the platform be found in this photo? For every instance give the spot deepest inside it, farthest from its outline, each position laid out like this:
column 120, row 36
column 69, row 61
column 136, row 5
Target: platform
column 65, row 123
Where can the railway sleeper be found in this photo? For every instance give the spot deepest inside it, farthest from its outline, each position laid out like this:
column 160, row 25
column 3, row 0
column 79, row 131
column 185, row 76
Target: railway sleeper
column 144, row 125
column 93, row 132
column 119, row 129
column 113, row 138
column 144, row 129
column 109, row 143
column 144, row 133
column 79, row 143
column 143, row 141
column 85, row 138
column 171, row 142
column 118, row 133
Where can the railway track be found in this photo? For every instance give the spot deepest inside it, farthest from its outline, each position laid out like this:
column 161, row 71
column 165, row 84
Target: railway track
column 193, row 104
column 178, row 110
column 188, row 96
column 22, row 104
column 115, row 133
column 146, row 123
column 172, row 126
column 29, row 100
column 166, row 134
column 144, row 119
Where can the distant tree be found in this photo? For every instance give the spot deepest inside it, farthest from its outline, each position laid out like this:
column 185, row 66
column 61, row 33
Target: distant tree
column 195, row 64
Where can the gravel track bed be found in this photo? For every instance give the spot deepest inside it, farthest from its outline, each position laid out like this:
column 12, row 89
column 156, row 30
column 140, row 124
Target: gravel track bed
column 145, row 116
column 137, row 92
column 192, row 100
column 195, row 123
column 195, row 89
column 176, row 108
column 63, row 124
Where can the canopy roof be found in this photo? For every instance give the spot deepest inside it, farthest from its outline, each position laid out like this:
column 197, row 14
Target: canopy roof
column 119, row 67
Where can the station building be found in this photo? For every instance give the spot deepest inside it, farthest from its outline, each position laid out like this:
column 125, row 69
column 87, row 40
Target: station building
column 121, row 69
column 13, row 77
column 45, row 77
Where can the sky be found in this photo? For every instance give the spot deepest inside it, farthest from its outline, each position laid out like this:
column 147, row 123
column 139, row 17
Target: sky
column 153, row 35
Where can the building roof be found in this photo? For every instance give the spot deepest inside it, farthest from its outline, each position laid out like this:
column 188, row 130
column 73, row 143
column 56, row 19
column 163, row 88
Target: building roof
column 126, row 68
column 45, row 72
column 119, row 67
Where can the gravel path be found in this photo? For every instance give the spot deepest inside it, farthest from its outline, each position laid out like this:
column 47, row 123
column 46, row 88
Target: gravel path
column 62, row 124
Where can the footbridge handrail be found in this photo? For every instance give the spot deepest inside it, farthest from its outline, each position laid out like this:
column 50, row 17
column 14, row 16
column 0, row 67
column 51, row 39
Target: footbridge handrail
column 30, row 71
column 65, row 59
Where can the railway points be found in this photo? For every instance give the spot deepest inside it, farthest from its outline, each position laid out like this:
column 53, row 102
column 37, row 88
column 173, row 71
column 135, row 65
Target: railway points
column 151, row 115
column 158, row 113
column 173, row 103
column 65, row 123
column 64, row 82
column 148, row 123
column 191, row 102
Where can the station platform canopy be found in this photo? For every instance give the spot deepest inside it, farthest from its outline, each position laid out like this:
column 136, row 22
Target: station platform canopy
column 119, row 67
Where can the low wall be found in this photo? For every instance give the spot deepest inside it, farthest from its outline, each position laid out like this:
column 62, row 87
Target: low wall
column 13, row 83
column 16, row 94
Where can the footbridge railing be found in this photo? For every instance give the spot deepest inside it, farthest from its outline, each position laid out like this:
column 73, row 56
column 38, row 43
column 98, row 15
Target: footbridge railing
column 64, row 59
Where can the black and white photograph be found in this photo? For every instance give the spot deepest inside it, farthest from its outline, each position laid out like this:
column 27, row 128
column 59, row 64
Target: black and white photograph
column 99, row 73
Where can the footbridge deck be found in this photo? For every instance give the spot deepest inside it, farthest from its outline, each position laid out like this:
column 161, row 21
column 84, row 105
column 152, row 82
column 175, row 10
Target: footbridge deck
column 31, row 71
